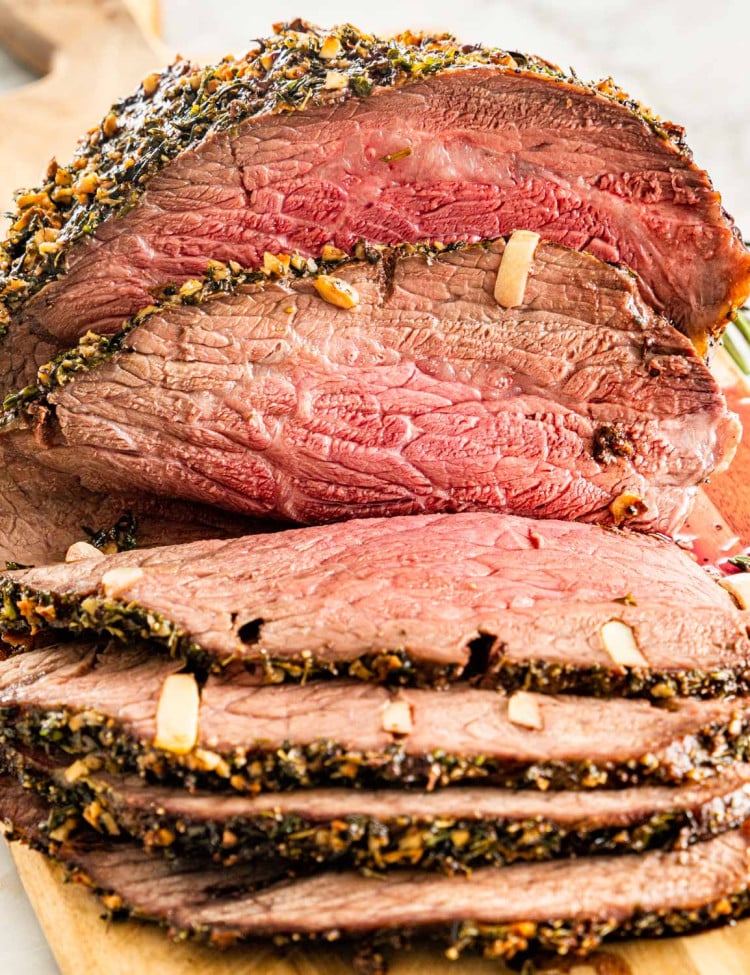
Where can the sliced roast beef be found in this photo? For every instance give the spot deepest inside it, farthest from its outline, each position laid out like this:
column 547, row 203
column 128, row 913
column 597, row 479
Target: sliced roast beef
column 566, row 906
column 44, row 509
column 427, row 395
column 252, row 737
column 387, row 140
column 450, row 829
column 495, row 599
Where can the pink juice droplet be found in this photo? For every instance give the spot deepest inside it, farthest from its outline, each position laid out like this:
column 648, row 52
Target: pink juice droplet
column 719, row 526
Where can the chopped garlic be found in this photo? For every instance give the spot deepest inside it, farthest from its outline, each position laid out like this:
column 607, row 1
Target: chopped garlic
column 332, row 253
column 739, row 586
column 177, row 714
column 118, row 581
column 335, row 80
column 276, row 263
column 626, row 506
column 88, row 183
column 335, row 291
column 82, row 550
column 97, row 816
column 78, row 770
column 208, row 761
column 523, row 709
column 151, row 83
column 618, row 640
column 61, row 833
column 330, row 48
column 110, row 125
column 113, row 902
column 397, row 717
column 190, row 287
column 515, row 264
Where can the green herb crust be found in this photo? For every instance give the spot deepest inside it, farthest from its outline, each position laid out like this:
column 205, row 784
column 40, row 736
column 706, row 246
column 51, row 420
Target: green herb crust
column 564, row 936
column 174, row 110
column 257, row 767
column 120, row 537
column 25, row 612
column 600, row 681
column 448, row 844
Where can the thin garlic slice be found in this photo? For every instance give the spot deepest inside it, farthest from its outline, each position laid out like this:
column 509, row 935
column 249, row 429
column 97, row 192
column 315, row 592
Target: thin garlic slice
column 82, row 550
column 515, row 264
column 397, row 719
column 618, row 640
column 523, row 709
column 177, row 714
column 739, row 586
column 117, row 581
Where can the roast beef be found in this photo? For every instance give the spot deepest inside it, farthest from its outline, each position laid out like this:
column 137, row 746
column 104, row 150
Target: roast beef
column 44, row 509
column 408, row 139
column 449, row 829
column 495, row 599
column 425, row 396
column 254, row 737
column 566, row 906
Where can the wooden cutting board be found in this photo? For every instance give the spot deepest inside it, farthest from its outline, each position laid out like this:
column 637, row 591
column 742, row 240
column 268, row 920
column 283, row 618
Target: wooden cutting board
column 89, row 53
column 93, row 51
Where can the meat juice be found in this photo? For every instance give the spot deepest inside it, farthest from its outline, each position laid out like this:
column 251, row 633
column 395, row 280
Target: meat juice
column 719, row 525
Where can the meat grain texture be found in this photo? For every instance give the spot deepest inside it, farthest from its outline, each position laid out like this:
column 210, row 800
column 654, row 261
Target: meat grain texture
column 426, row 396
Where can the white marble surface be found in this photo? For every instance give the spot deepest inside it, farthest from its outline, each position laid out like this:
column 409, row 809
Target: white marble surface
column 23, row 948
column 688, row 59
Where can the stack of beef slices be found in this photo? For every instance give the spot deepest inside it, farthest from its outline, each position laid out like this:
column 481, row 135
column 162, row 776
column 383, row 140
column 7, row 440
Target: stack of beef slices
column 449, row 308
column 456, row 725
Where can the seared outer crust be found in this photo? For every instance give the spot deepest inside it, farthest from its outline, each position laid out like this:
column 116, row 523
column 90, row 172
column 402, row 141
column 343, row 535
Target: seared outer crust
column 373, row 842
column 323, row 762
column 564, row 936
